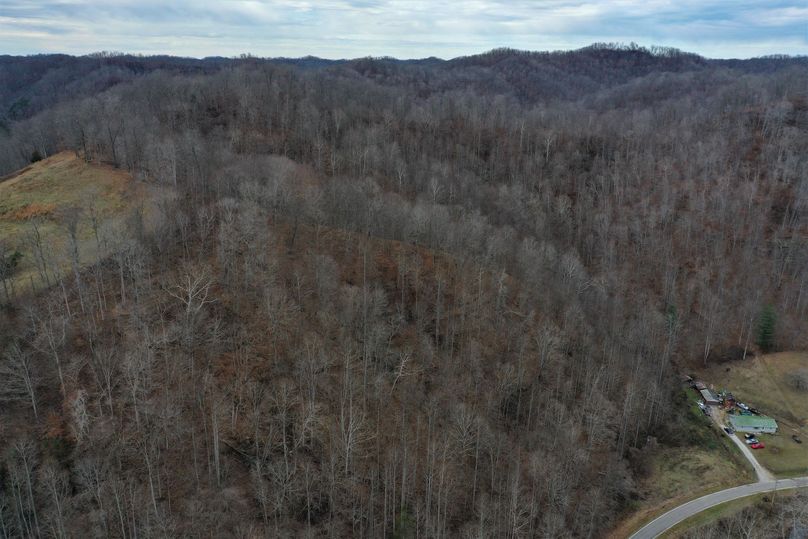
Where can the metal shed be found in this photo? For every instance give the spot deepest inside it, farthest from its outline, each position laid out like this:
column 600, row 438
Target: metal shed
column 709, row 397
column 753, row 423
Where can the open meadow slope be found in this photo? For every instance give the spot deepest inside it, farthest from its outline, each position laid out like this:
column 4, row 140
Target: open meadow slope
column 62, row 210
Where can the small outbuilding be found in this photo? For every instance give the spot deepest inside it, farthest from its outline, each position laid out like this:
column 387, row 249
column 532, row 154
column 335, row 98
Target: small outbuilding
column 753, row 423
column 710, row 397
column 699, row 385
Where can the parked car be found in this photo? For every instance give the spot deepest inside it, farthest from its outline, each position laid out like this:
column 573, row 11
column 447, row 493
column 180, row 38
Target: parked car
column 748, row 435
column 743, row 407
column 758, row 445
column 729, row 430
column 796, row 438
column 752, row 441
column 755, row 411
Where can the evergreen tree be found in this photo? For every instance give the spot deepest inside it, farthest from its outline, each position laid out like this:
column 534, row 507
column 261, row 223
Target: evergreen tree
column 766, row 323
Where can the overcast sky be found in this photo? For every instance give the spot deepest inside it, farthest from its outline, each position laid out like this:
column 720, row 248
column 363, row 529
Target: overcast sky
column 401, row 28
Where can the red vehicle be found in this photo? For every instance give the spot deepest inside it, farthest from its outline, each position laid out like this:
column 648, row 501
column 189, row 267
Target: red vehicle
column 758, row 445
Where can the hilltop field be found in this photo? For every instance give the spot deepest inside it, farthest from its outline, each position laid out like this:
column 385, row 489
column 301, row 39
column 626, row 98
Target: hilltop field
column 40, row 204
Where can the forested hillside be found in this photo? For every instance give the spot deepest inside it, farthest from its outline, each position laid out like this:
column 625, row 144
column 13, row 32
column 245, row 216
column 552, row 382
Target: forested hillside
column 407, row 299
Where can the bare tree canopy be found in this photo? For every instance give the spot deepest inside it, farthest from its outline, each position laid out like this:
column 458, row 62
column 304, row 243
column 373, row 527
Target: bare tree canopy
column 383, row 298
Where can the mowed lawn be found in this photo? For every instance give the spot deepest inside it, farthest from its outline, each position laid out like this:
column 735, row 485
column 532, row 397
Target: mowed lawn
column 47, row 193
column 763, row 382
column 783, row 456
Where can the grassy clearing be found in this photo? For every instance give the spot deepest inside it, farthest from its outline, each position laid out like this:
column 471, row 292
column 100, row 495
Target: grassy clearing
column 763, row 382
column 706, row 462
column 58, row 182
column 683, row 471
column 783, row 456
column 47, row 193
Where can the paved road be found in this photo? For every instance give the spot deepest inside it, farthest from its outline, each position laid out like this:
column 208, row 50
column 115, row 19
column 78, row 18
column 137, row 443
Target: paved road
column 766, row 483
column 687, row 510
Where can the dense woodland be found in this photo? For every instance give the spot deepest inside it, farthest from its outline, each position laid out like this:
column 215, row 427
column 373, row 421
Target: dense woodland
column 392, row 299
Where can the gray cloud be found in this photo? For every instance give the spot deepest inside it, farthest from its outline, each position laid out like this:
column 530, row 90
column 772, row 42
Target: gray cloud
column 403, row 28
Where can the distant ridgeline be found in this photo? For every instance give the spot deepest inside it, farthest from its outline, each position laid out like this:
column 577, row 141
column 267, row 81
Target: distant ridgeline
column 33, row 83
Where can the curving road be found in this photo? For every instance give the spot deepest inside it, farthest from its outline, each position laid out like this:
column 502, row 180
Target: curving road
column 675, row 516
column 766, row 483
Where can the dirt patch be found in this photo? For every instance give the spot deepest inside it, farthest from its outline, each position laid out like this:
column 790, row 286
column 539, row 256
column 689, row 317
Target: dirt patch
column 725, row 354
column 30, row 211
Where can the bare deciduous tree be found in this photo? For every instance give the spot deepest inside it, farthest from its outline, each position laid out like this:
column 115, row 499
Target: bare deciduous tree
column 18, row 375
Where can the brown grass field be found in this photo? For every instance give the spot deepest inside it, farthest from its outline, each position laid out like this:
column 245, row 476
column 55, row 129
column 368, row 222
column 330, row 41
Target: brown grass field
column 763, row 382
column 708, row 462
column 44, row 194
